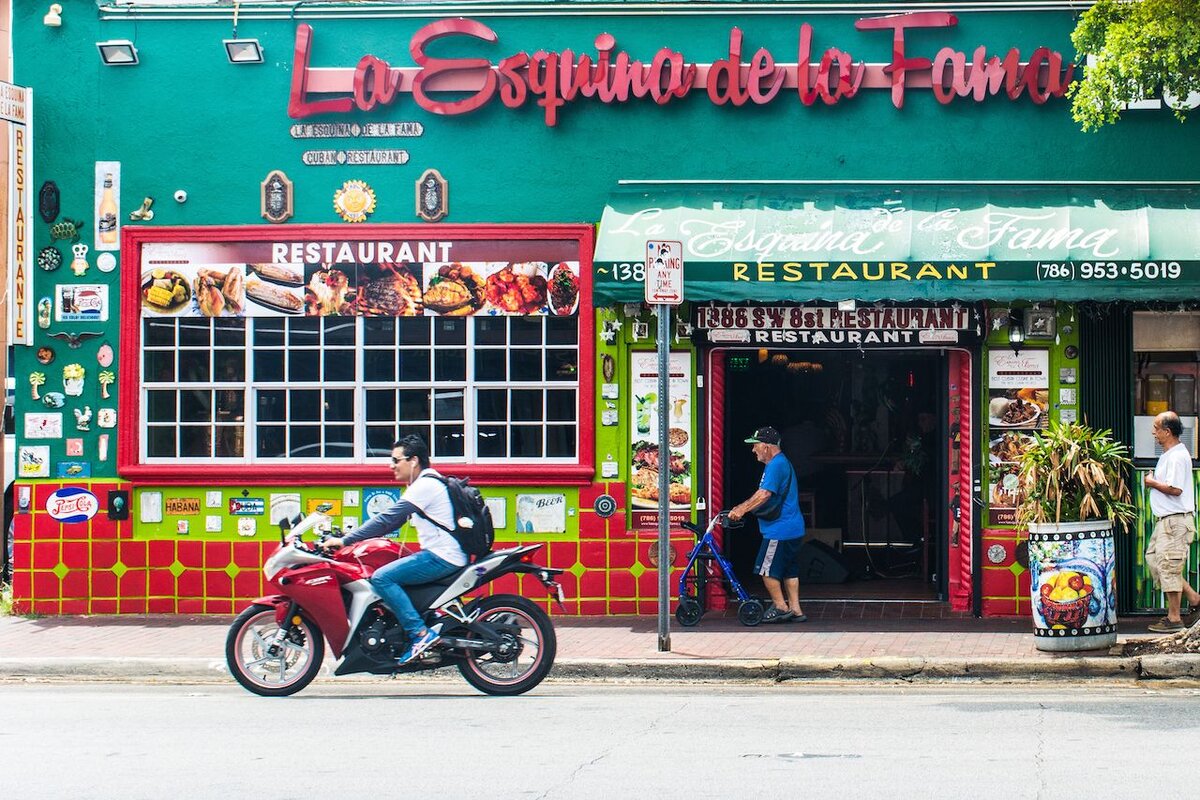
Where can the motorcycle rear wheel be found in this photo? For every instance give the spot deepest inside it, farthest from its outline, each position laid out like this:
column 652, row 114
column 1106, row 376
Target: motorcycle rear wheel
column 530, row 653
column 250, row 663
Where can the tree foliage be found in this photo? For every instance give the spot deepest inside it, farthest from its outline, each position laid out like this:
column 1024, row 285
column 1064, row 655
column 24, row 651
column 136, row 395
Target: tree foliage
column 1140, row 48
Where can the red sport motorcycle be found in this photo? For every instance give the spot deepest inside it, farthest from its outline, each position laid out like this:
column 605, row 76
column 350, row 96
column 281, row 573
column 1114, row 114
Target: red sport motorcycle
column 502, row 644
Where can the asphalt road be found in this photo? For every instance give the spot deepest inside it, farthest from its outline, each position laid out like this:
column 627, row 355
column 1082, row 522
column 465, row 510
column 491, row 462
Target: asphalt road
column 612, row 742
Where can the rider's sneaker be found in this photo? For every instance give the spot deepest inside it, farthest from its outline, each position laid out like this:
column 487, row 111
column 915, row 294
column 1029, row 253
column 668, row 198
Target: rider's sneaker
column 419, row 645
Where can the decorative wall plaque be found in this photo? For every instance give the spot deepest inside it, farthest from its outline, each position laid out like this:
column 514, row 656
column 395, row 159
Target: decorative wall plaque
column 276, row 197
column 48, row 202
column 433, row 196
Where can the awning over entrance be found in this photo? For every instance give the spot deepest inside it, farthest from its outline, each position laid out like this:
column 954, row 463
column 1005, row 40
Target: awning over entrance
column 926, row 242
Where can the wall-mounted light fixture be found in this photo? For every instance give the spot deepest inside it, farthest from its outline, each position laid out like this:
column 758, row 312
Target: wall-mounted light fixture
column 118, row 53
column 243, row 51
column 53, row 18
column 1016, row 330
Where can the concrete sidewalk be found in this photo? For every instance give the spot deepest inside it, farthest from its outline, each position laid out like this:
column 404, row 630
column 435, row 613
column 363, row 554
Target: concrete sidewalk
column 191, row 649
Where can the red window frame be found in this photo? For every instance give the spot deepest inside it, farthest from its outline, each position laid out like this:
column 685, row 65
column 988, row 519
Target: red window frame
column 130, row 466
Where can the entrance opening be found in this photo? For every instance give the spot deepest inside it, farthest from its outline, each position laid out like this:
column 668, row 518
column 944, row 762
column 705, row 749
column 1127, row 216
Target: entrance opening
column 866, row 432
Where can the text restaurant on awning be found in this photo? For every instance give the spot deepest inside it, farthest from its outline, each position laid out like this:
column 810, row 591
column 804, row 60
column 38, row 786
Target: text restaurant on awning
column 803, row 242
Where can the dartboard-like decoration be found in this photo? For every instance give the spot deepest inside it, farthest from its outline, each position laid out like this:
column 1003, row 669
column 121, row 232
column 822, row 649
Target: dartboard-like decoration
column 49, row 258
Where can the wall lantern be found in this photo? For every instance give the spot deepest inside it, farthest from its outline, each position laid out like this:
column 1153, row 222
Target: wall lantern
column 1016, row 330
column 118, row 53
column 243, row 51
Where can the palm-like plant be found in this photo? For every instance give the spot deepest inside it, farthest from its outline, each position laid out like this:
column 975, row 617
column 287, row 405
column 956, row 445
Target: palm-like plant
column 1073, row 473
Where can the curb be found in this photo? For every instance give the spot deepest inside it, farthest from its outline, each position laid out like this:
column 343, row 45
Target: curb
column 913, row 669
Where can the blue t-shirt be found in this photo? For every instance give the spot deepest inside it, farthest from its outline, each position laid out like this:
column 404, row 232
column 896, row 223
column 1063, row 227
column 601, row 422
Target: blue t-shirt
column 776, row 477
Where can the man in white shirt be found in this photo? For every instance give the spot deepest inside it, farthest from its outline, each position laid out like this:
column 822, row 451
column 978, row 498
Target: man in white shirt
column 427, row 502
column 1173, row 503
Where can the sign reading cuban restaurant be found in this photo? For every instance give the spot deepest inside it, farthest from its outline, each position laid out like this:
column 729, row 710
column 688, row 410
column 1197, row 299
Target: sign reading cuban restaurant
column 367, row 277
column 829, row 326
column 552, row 79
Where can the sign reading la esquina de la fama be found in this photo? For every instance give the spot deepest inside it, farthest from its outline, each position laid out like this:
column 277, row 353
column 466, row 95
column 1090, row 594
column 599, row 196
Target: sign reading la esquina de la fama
column 555, row 78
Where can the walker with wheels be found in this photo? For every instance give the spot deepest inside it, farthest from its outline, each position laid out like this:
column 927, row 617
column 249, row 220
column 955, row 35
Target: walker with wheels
column 699, row 570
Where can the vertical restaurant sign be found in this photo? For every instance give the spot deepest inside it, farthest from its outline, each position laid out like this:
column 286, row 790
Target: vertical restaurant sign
column 645, row 460
column 1018, row 405
column 16, row 106
column 376, row 278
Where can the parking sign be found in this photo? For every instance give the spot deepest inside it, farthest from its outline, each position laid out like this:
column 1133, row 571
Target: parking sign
column 664, row 273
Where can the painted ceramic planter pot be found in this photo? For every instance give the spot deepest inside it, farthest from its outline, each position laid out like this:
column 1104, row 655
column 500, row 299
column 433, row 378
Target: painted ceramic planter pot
column 1074, row 585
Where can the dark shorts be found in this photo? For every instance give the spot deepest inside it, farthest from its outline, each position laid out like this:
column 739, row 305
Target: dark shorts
column 779, row 558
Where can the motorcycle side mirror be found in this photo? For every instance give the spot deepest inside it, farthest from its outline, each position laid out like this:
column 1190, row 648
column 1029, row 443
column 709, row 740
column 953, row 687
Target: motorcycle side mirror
column 285, row 525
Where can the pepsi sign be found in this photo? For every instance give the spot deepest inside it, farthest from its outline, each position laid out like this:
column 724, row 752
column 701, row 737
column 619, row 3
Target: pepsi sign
column 72, row 504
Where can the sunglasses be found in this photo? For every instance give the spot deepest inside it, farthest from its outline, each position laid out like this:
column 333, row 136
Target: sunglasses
column 401, row 460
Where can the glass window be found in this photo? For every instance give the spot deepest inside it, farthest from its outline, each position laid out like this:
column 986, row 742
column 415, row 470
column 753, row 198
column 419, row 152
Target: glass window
column 309, row 389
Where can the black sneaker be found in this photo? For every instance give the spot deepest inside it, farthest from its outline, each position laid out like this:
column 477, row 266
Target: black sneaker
column 773, row 614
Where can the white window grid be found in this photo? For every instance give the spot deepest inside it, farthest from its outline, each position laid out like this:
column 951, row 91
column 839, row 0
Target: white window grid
column 468, row 388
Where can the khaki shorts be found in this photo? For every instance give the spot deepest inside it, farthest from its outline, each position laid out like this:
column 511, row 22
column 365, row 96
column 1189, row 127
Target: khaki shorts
column 1168, row 550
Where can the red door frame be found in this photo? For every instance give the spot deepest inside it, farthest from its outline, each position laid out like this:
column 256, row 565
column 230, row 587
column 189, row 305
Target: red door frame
column 960, row 523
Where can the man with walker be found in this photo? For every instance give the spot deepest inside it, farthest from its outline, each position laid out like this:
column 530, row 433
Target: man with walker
column 776, row 503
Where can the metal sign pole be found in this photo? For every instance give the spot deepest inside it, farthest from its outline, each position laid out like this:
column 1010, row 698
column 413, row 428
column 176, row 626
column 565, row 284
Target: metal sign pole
column 664, row 478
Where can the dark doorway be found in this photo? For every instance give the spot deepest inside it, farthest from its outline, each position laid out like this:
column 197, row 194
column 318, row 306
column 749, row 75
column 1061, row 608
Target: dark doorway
column 866, row 433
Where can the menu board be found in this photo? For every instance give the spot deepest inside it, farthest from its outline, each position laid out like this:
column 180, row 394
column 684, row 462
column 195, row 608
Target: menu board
column 1018, row 405
column 645, row 459
column 256, row 279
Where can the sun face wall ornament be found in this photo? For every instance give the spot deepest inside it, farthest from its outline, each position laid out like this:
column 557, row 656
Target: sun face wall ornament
column 354, row 202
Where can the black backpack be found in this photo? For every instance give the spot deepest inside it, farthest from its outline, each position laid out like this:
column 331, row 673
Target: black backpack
column 473, row 528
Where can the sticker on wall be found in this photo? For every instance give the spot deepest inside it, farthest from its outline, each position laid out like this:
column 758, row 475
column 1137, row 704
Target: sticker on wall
column 106, row 379
column 247, row 506
column 33, row 461
column 45, row 355
column 349, row 525
column 106, row 418
column 74, row 469
column 499, row 508
column 66, row 229
column 106, row 262
column 275, row 196
column 150, row 506
column 72, row 504
column 212, row 523
column 48, row 202
column 354, row 202
column 75, row 340
column 49, row 259
column 24, row 499
column 44, row 309
column 143, row 213
column 118, row 504
column 104, row 356
column 183, row 527
column 247, row 526
column 212, row 499
column 36, row 381
column 284, row 506
column 54, row 400
column 85, row 302
column 605, row 506
column 43, row 426
column 350, row 498
column 541, row 513
column 74, row 447
column 608, row 367
column 335, row 506
column 102, row 447
column 376, row 501
column 73, row 376
column 183, row 506
column 79, row 262
column 108, row 198
column 83, row 419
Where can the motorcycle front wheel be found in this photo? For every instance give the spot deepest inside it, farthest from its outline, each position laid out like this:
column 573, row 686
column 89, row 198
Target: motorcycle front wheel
column 526, row 651
column 263, row 667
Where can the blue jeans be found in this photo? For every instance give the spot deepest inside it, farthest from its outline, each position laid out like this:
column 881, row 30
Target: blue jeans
column 388, row 582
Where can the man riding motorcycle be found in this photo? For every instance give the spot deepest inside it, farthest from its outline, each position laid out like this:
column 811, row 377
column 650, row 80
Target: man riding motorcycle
column 425, row 500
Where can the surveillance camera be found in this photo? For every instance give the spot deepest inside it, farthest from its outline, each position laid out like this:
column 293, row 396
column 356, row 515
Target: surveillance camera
column 180, row 196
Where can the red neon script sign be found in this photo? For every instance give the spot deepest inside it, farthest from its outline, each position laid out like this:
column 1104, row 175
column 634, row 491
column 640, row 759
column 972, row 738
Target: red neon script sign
column 553, row 79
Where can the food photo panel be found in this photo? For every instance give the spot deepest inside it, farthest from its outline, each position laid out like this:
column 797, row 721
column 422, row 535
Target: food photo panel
column 275, row 290
column 389, row 290
column 517, row 289
column 331, row 290
column 455, row 289
column 1018, row 390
